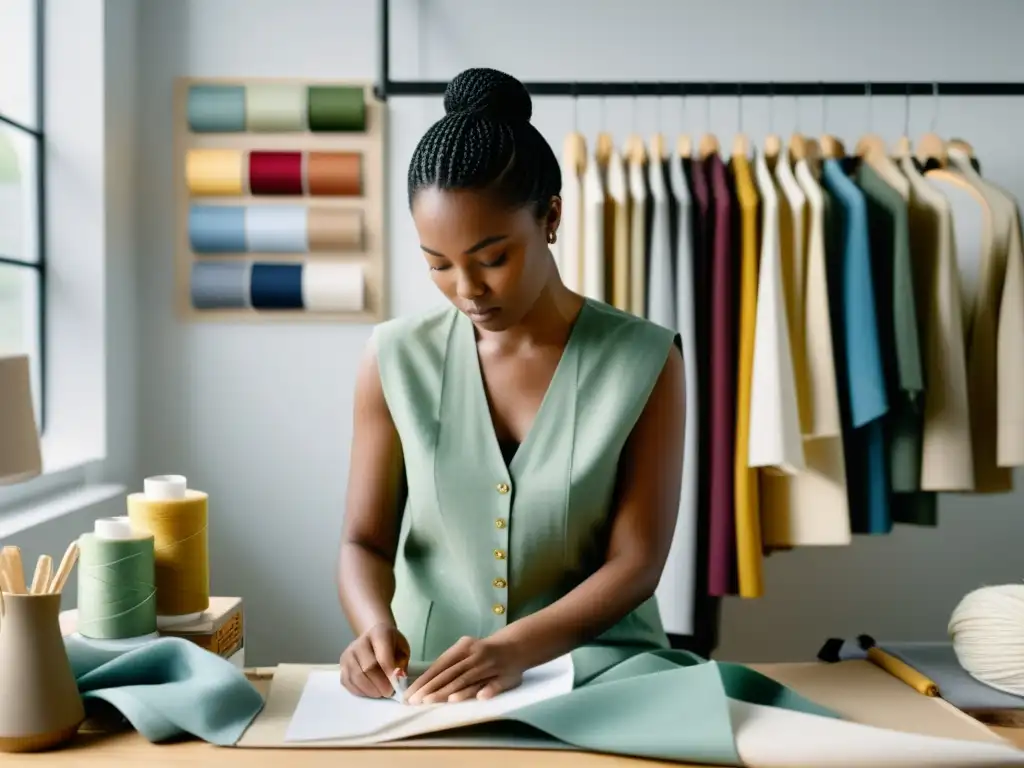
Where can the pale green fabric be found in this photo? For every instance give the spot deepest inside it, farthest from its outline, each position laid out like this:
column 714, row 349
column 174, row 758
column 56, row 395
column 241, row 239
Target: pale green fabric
column 167, row 688
column 632, row 695
column 561, row 480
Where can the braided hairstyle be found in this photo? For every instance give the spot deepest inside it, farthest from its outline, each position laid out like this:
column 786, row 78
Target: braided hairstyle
column 486, row 142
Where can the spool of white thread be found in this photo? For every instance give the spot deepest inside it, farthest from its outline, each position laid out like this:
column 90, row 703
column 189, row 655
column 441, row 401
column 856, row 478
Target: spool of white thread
column 168, row 488
column 118, row 529
column 987, row 630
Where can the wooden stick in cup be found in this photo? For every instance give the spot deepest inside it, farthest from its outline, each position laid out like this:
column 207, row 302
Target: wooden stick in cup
column 15, row 570
column 41, row 579
column 64, row 570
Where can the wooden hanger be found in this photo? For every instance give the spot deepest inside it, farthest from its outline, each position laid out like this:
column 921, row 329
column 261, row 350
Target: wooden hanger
column 932, row 146
column 812, row 155
column 797, row 147
column 741, row 145
column 772, row 147
column 635, row 152
column 708, row 146
column 684, row 146
column 604, row 149
column 658, row 147
column 832, row 147
column 962, row 145
column 902, row 147
column 575, row 152
column 872, row 150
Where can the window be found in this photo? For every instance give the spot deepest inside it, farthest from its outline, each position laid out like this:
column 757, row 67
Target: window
column 22, row 246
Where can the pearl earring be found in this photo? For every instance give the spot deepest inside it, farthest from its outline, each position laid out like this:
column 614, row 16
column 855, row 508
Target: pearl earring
column 552, row 237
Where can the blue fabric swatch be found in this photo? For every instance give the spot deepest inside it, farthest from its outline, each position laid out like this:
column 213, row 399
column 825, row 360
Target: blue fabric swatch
column 168, row 688
column 217, row 228
column 276, row 286
column 220, row 284
column 277, row 229
column 216, row 108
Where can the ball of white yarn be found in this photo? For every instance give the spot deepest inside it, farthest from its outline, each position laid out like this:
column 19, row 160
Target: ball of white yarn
column 987, row 629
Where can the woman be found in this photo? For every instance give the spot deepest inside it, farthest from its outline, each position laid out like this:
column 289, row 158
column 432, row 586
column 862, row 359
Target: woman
column 516, row 459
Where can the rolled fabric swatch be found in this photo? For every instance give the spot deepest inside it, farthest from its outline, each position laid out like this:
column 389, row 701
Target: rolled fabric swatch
column 333, row 286
column 337, row 108
column 220, row 284
column 276, row 229
column 217, row 228
column 216, row 108
column 275, row 107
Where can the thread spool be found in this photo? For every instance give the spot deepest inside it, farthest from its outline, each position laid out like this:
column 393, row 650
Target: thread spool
column 176, row 516
column 987, row 630
column 116, row 585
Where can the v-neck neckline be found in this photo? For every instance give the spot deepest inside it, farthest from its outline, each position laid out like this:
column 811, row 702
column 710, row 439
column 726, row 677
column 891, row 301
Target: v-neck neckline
column 482, row 406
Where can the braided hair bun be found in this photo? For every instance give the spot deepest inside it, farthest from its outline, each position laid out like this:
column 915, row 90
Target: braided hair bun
column 486, row 142
column 488, row 93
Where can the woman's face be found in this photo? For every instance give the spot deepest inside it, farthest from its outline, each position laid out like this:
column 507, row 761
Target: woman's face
column 491, row 262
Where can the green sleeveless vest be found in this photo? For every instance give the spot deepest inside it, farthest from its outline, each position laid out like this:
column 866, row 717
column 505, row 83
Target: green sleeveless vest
column 483, row 543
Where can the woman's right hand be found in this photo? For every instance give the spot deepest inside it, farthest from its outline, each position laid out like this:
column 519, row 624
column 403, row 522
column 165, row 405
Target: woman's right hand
column 369, row 660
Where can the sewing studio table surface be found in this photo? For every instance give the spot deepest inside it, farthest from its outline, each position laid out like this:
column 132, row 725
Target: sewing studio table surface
column 98, row 749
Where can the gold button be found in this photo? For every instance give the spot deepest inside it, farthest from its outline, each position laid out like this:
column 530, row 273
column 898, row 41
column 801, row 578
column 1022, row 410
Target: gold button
column 502, row 487
column 499, row 554
column 499, row 583
column 498, row 609
column 499, row 523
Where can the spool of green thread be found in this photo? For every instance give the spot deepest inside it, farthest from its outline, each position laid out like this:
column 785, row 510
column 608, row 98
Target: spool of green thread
column 116, row 584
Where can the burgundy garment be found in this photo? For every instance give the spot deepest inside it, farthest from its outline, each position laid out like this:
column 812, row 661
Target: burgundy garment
column 722, row 384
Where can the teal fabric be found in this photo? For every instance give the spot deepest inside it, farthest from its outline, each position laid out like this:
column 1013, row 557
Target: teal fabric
column 168, row 688
column 663, row 705
column 484, row 542
column 216, row 108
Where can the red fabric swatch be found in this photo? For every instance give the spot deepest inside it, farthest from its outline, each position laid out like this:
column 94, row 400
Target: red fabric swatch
column 275, row 173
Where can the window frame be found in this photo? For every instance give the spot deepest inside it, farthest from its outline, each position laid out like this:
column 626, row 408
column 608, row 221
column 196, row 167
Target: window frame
column 38, row 136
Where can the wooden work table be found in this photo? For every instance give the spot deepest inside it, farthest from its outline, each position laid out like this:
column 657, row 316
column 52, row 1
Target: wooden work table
column 96, row 748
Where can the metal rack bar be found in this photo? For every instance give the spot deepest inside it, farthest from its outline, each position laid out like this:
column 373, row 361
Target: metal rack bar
column 387, row 88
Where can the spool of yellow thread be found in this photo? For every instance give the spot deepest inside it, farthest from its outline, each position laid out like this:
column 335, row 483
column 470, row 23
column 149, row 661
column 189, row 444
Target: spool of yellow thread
column 176, row 517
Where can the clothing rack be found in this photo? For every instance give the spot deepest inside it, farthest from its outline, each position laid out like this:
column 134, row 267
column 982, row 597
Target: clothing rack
column 386, row 87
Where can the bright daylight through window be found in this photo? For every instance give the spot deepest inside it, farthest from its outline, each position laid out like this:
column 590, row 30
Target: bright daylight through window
column 21, row 187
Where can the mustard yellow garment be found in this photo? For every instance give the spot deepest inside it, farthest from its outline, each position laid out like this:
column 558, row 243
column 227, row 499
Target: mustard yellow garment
column 617, row 238
column 748, row 518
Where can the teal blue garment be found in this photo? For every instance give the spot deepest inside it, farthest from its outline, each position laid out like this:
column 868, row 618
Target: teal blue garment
column 216, row 108
column 863, row 374
column 168, row 688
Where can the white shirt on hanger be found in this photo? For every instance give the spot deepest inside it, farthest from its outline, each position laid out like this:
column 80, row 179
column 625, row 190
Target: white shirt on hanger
column 775, row 435
column 661, row 307
column 569, row 245
column 638, row 240
column 677, row 589
column 812, row 507
column 592, row 262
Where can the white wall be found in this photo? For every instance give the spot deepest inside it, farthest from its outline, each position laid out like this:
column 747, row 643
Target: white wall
column 260, row 416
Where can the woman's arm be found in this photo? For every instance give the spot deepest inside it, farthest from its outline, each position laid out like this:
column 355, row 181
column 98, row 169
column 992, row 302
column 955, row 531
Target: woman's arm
column 649, row 483
column 366, row 581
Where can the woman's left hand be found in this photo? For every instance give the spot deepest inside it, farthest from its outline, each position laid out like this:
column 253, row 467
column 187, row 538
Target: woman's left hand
column 470, row 668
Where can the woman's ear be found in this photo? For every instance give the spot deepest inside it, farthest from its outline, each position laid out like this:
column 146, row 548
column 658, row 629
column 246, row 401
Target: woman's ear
column 554, row 215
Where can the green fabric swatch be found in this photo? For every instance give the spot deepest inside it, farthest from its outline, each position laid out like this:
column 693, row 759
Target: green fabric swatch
column 336, row 108
column 167, row 688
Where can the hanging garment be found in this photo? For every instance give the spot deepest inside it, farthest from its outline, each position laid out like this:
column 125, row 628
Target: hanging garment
column 569, row 246
column 618, row 195
column 1010, row 323
column 593, row 264
column 702, row 229
column 863, row 380
column 812, row 507
column 677, row 589
column 947, row 462
column 793, row 237
column 888, row 223
column 979, row 230
column 748, row 519
column 775, row 439
column 722, row 384
column 638, row 238
column 660, row 300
